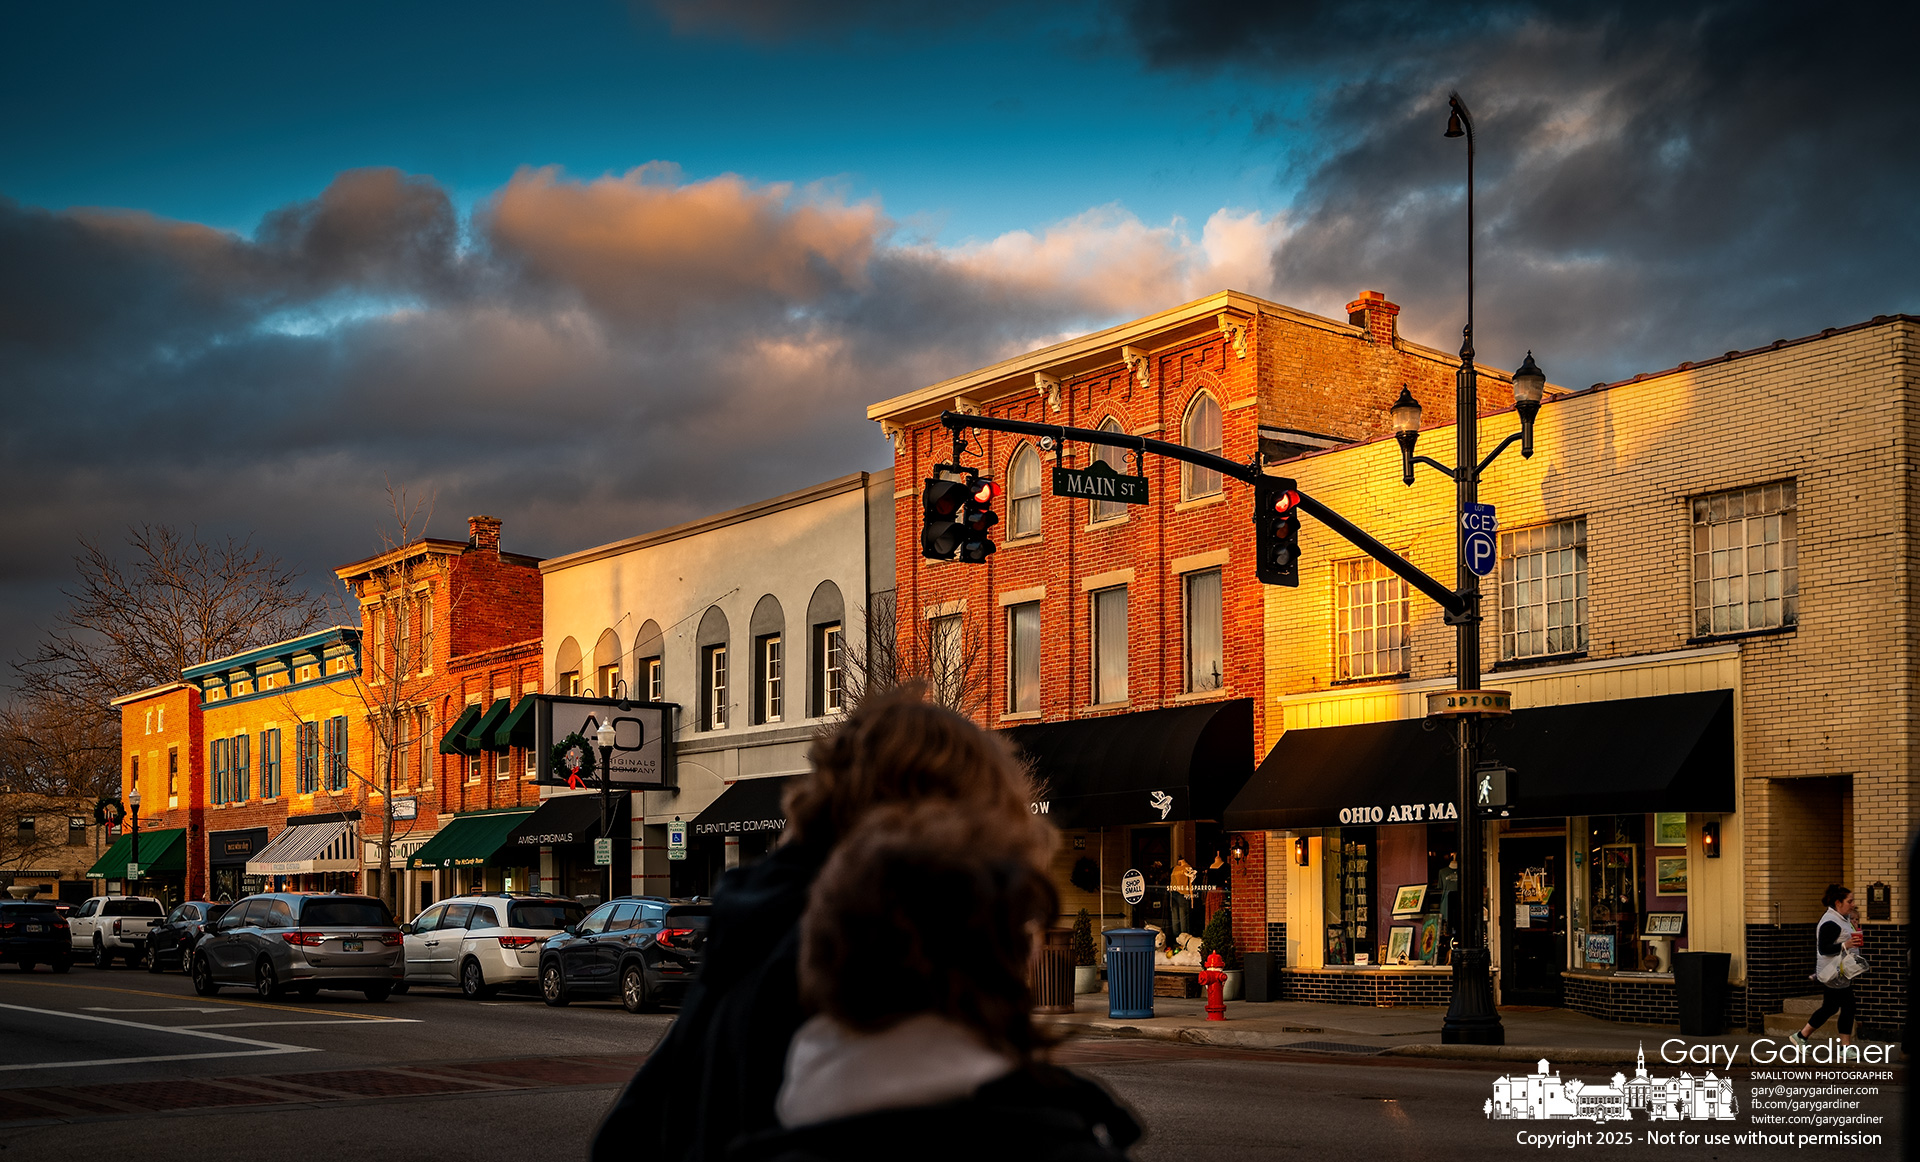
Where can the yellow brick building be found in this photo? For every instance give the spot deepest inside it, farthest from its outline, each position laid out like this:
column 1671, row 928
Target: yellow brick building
column 1732, row 538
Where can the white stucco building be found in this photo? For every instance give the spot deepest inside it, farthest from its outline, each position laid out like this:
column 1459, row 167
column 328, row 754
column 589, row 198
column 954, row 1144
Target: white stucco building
column 743, row 620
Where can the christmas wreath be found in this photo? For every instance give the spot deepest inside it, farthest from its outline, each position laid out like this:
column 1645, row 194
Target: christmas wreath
column 572, row 759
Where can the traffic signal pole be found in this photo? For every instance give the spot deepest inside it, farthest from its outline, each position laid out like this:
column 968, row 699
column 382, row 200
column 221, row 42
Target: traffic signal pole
column 1457, row 605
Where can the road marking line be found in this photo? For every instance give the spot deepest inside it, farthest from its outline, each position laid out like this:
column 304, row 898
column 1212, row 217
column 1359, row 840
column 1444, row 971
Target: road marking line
column 262, row 1048
column 276, row 1024
column 278, row 1008
column 182, row 1009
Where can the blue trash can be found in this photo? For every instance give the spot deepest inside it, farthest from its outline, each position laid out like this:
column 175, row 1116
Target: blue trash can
column 1129, row 972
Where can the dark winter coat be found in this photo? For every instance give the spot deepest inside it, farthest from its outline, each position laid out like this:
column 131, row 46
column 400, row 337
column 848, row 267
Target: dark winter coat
column 1044, row 1114
column 715, row 1075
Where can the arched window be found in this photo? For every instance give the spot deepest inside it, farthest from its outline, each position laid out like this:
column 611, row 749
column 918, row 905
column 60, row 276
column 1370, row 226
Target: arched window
column 606, row 665
column 650, row 663
column 768, row 631
column 1201, row 432
column 1116, row 459
column 715, row 689
column 826, row 649
column 1023, row 486
column 566, row 668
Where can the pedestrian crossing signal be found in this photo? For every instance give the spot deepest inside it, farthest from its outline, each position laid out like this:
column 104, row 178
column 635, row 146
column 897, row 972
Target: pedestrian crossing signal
column 1276, row 530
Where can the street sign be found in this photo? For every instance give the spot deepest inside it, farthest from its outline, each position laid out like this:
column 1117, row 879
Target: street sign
column 603, row 852
column 133, row 871
column 1477, row 546
column 408, row 808
column 1453, row 703
column 1099, row 482
column 1133, row 886
column 676, row 840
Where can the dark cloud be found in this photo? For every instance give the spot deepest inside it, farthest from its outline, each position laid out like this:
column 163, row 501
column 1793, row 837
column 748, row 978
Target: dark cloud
column 1656, row 182
column 776, row 21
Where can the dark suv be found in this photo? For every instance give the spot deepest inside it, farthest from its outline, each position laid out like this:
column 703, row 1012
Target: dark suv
column 171, row 943
column 33, row 932
column 642, row 949
column 301, row 941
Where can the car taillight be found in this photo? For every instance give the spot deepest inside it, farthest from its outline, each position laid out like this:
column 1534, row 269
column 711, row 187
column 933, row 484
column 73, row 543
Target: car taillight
column 667, row 935
column 389, row 938
column 116, row 927
column 304, row 939
column 6, row 926
column 59, row 925
column 518, row 941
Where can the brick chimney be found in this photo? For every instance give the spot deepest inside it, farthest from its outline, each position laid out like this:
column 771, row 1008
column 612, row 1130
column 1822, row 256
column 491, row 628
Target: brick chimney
column 1372, row 313
column 483, row 532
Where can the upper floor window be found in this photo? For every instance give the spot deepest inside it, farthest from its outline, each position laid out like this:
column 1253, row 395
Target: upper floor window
column 1116, row 459
column 1023, row 488
column 26, row 824
column 149, row 722
column 334, row 764
column 76, row 830
column 770, row 692
column 1746, row 564
column 654, row 671
column 1200, row 430
column 306, row 757
column 426, row 631
column 1543, row 590
column 270, row 764
column 713, row 687
column 160, row 719
column 949, row 663
column 1205, row 644
column 1370, row 620
column 382, row 655
column 1023, row 657
column 833, row 672
column 1109, row 611
column 570, row 682
column 173, row 771
column 609, row 681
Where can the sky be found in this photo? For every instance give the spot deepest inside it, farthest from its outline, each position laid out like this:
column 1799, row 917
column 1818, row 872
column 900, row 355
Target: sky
column 600, row 268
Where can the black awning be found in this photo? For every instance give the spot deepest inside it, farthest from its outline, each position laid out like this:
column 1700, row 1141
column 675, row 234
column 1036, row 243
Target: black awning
column 565, row 819
column 1154, row 766
column 747, row 805
column 1673, row 752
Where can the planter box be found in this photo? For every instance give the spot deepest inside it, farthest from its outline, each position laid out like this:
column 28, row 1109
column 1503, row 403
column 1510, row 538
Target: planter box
column 1086, row 979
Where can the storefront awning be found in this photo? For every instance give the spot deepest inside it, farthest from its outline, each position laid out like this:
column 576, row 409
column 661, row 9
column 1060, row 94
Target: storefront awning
column 1673, row 752
column 308, row 849
column 160, row 852
column 516, row 729
column 480, row 734
column 749, row 805
column 1154, row 766
column 467, row 840
column 454, row 741
column 565, row 819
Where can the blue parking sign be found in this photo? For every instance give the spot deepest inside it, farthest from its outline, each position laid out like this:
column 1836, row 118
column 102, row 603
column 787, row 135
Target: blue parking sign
column 1478, row 550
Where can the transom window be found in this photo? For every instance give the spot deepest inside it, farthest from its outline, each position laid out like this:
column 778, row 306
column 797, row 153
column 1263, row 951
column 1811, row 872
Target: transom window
column 1023, row 487
column 1746, row 564
column 1370, row 620
column 1200, row 430
column 1543, row 590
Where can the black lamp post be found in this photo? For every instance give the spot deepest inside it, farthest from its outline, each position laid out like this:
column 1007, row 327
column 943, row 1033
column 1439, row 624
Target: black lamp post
column 133, row 800
column 605, row 736
column 1471, row 1015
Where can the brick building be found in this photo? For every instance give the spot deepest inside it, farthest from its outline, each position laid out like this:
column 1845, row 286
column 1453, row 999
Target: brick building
column 453, row 649
column 1704, row 608
column 161, row 753
column 1122, row 646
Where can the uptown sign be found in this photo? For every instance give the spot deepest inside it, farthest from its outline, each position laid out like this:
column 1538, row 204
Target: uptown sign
column 1400, row 813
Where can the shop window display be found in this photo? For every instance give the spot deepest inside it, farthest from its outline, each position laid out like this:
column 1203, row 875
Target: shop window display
column 1626, row 919
column 1386, row 894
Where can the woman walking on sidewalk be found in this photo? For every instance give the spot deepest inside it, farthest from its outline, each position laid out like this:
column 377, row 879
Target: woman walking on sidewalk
column 1834, row 940
column 716, row 1073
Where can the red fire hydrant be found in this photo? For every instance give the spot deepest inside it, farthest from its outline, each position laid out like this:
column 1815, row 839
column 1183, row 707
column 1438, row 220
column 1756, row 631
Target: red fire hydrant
column 1214, row 977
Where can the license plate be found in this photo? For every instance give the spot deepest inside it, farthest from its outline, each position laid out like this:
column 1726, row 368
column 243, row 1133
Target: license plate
column 350, row 945
column 36, row 927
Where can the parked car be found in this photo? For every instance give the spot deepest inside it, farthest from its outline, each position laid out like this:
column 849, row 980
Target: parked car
column 171, row 942
column 32, row 932
column 304, row 942
column 642, row 949
column 114, row 927
column 482, row 942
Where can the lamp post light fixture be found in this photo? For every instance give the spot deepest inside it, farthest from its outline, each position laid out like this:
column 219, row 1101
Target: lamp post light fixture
column 133, row 801
column 605, row 736
column 1471, row 1016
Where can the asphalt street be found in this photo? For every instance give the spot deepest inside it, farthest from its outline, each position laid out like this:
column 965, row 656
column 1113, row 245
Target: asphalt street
column 127, row 1064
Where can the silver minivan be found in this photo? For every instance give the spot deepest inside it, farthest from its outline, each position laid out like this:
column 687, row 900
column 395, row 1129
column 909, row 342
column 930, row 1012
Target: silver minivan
column 304, row 942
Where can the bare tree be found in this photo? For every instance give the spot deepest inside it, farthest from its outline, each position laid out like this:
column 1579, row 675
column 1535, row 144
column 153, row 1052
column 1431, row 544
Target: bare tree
column 948, row 653
column 176, row 601
column 51, row 747
column 33, row 828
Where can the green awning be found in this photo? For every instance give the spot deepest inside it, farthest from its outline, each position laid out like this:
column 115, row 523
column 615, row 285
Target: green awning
column 467, row 840
column 454, row 741
column 480, row 734
column 160, row 851
column 517, row 728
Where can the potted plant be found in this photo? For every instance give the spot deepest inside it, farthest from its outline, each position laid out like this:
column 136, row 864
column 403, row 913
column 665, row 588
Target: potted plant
column 1218, row 937
column 1086, row 965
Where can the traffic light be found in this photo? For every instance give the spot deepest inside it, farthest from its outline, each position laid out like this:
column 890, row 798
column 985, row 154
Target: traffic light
column 977, row 516
column 941, row 502
column 1276, row 531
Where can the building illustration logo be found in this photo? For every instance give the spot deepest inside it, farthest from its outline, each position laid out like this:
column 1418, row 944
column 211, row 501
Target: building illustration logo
column 1542, row 1095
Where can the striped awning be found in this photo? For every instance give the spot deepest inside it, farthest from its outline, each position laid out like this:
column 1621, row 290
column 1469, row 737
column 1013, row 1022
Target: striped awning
column 307, row 849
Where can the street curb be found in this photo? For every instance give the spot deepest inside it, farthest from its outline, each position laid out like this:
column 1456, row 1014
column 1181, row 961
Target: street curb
column 1526, row 1053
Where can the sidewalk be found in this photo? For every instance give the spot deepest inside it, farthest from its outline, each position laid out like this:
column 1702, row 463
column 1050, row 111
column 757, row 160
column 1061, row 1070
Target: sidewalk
column 1560, row 1035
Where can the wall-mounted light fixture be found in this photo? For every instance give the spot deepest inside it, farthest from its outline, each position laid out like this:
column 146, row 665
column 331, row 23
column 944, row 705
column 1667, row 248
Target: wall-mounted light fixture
column 1300, row 850
column 1238, row 848
column 1710, row 839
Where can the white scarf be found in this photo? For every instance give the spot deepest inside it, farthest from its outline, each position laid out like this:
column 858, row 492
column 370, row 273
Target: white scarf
column 836, row 1072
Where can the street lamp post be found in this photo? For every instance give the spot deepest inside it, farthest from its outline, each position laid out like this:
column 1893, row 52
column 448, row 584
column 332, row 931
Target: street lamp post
column 1471, row 1015
column 605, row 736
column 133, row 800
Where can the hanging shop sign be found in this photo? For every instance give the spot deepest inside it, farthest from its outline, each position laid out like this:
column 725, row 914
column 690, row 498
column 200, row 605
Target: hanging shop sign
column 567, row 732
column 1133, row 886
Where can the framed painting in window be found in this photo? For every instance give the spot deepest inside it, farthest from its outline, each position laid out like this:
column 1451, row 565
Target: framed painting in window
column 1670, row 829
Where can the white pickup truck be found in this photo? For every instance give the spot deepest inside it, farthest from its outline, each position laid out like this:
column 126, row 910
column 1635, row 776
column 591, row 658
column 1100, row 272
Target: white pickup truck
column 114, row 926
